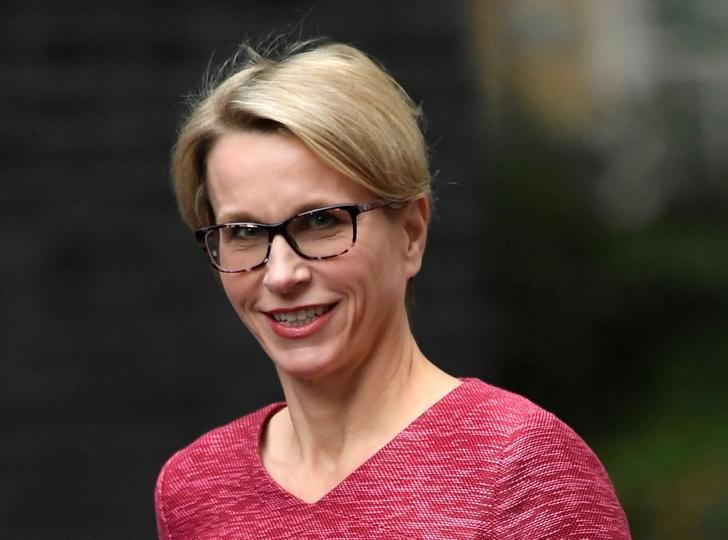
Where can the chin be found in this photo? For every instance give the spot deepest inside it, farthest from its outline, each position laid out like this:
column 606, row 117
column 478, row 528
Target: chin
column 303, row 371
column 302, row 364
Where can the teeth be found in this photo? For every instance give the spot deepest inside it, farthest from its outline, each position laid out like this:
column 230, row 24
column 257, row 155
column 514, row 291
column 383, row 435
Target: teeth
column 300, row 317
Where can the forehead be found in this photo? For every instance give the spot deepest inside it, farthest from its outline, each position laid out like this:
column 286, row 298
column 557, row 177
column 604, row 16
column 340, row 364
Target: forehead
column 271, row 176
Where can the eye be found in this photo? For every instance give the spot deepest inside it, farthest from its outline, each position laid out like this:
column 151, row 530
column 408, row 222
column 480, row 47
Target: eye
column 322, row 219
column 244, row 233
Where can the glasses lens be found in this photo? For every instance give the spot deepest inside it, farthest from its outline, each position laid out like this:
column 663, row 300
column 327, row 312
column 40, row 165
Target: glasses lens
column 235, row 248
column 322, row 233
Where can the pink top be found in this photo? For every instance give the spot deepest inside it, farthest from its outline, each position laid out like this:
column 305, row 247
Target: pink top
column 481, row 463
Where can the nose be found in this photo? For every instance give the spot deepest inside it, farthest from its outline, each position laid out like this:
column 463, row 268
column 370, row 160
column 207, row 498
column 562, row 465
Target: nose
column 285, row 270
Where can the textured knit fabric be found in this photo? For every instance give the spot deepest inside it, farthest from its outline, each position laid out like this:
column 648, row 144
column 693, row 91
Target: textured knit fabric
column 481, row 463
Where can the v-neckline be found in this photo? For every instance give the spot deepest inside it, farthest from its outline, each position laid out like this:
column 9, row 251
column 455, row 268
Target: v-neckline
column 269, row 484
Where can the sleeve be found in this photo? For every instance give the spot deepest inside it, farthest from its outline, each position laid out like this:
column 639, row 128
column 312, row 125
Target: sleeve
column 551, row 486
column 159, row 502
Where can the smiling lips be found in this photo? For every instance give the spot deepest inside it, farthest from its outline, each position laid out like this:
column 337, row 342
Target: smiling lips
column 300, row 317
column 301, row 322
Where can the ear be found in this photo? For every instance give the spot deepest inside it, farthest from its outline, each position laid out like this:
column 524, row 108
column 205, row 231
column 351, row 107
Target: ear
column 416, row 217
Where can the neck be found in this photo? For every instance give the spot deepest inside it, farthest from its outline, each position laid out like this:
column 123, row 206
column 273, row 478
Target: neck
column 356, row 411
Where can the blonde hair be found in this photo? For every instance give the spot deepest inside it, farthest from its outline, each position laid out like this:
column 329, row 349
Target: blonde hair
column 346, row 108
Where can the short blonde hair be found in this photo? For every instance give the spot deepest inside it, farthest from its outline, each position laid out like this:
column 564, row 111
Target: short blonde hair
column 346, row 108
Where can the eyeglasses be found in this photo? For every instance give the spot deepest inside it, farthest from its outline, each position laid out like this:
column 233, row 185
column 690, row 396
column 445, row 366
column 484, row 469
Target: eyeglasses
column 322, row 233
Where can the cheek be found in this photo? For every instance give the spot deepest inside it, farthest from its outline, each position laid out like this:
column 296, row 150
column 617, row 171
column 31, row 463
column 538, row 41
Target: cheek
column 376, row 276
column 228, row 285
column 238, row 289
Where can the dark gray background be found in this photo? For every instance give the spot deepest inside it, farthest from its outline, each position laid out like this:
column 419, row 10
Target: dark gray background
column 118, row 347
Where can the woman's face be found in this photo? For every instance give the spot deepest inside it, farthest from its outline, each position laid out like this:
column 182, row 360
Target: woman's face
column 347, row 308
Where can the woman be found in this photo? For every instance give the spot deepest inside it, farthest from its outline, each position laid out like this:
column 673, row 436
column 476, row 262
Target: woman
column 306, row 180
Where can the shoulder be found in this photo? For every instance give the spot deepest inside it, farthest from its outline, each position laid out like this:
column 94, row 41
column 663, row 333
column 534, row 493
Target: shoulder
column 218, row 447
column 491, row 431
column 202, row 470
column 482, row 401
column 489, row 413
column 548, row 481
column 523, row 427
column 477, row 416
column 518, row 423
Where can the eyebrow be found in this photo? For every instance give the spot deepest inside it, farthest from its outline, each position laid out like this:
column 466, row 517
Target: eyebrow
column 246, row 217
column 236, row 217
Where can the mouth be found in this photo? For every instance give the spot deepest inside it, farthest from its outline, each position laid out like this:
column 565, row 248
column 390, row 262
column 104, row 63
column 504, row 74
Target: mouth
column 300, row 317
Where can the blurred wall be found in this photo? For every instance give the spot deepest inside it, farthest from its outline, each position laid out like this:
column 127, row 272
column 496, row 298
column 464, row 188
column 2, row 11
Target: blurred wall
column 606, row 224
column 117, row 346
